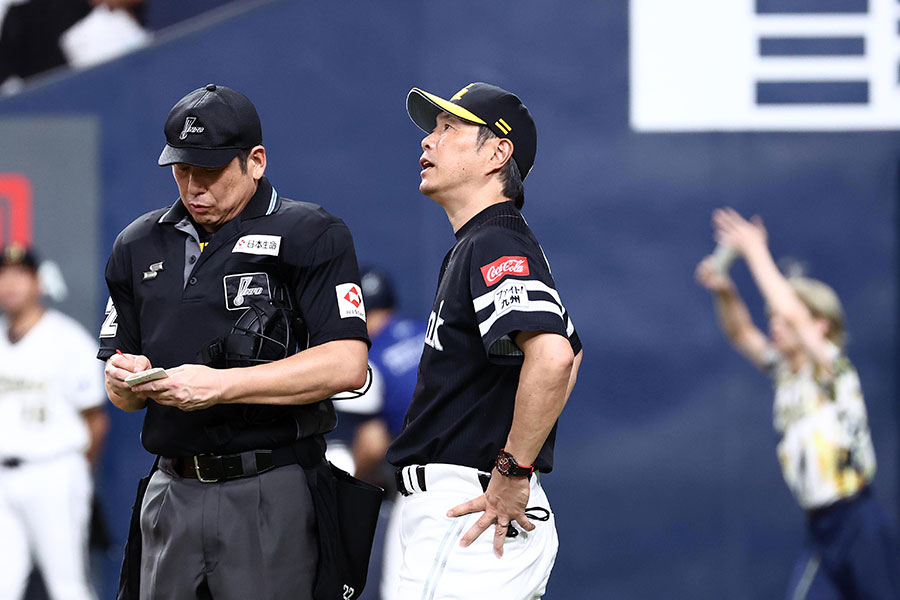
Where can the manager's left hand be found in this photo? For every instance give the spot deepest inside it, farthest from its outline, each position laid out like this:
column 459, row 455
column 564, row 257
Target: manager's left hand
column 188, row 387
column 503, row 502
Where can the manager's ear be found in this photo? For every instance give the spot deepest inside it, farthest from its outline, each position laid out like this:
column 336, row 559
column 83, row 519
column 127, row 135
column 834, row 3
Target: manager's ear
column 502, row 154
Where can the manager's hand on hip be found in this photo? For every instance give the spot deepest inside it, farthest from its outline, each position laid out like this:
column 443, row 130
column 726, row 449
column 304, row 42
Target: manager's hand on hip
column 188, row 387
column 503, row 502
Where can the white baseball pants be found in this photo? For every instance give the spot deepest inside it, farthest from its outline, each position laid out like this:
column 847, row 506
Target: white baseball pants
column 434, row 565
column 44, row 513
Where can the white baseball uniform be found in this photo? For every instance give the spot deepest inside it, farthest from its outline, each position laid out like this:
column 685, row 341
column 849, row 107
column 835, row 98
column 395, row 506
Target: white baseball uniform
column 434, row 565
column 46, row 379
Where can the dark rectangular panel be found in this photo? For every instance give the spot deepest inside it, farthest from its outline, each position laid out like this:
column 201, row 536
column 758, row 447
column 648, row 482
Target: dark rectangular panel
column 58, row 155
column 811, row 6
column 812, row 46
column 812, row 92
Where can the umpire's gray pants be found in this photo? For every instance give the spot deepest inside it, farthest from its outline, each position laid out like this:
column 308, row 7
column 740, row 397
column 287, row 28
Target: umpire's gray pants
column 249, row 538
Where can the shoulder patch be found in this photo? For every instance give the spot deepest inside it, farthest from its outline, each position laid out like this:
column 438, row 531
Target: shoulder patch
column 350, row 301
column 503, row 266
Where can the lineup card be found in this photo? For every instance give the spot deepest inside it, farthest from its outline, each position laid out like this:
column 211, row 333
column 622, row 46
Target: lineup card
column 145, row 376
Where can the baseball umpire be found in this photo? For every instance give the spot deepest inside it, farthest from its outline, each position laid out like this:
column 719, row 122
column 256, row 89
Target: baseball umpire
column 252, row 304
column 500, row 361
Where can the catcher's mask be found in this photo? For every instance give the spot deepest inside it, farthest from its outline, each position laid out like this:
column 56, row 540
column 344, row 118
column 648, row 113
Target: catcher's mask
column 262, row 334
column 265, row 332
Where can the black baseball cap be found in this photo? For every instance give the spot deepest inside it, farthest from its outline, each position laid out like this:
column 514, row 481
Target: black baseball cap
column 209, row 127
column 483, row 104
column 18, row 255
column 377, row 288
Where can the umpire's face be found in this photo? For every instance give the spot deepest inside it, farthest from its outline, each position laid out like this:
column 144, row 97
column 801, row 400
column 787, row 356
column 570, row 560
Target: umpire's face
column 216, row 196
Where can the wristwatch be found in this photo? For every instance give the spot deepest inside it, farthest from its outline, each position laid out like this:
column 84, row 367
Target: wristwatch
column 508, row 466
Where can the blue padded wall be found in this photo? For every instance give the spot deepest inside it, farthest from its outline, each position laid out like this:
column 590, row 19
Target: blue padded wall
column 666, row 484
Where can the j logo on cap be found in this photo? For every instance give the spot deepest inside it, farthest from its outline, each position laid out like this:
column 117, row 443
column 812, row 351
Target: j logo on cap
column 190, row 128
column 209, row 127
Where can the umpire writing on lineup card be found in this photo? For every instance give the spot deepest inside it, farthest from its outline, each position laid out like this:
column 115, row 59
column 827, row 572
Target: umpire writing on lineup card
column 251, row 304
column 500, row 360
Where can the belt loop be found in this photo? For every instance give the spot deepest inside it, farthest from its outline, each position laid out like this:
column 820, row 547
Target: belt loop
column 401, row 486
column 248, row 464
column 410, row 479
column 263, row 461
column 420, row 477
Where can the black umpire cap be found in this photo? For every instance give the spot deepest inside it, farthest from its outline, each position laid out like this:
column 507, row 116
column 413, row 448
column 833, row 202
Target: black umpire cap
column 483, row 104
column 209, row 127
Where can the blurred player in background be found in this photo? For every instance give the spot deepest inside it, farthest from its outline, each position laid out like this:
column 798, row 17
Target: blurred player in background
column 825, row 447
column 366, row 426
column 52, row 423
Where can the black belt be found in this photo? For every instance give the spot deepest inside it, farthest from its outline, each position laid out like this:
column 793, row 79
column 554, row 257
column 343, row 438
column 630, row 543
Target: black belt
column 401, row 485
column 11, row 462
column 210, row 468
column 483, row 478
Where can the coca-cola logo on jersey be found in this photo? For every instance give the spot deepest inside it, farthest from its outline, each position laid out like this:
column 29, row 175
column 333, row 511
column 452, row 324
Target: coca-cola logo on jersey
column 505, row 265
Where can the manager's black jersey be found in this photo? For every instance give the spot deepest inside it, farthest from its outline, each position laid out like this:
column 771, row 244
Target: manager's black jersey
column 494, row 283
column 169, row 301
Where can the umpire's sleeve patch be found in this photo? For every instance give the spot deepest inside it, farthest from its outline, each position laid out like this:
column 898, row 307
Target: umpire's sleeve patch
column 350, row 301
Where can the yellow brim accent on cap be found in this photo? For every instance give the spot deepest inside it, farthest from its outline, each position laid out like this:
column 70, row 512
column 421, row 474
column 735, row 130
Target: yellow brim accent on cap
column 427, row 124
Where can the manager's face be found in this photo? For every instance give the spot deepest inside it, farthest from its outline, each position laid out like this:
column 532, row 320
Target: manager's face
column 451, row 158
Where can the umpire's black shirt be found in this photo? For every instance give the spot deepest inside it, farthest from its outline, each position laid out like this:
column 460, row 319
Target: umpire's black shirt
column 169, row 300
column 494, row 283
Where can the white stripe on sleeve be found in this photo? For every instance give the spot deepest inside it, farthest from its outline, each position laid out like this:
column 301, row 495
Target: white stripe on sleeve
column 485, row 300
column 533, row 306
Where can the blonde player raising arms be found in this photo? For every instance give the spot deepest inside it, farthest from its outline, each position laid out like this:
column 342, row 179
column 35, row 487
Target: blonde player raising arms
column 825, row 448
